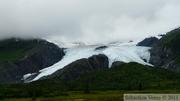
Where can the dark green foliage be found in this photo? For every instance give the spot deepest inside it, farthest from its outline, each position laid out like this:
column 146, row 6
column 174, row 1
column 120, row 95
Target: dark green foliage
column 86, row 88
column 129, row 87
column 47, row 88
column 132, row 76
column 172, row 39
column 140, row 86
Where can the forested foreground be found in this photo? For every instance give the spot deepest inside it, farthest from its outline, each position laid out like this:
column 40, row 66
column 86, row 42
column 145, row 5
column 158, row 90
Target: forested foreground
column 108, row 84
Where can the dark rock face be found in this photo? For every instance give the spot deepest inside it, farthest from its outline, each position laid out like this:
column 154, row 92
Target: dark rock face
column 165, row 57
column 161, row 56
column 46, row 55
column 101, row 47
column 38, row 55
column 148, row 42
column 9, row 72
column 117, row 63
column 80, row 67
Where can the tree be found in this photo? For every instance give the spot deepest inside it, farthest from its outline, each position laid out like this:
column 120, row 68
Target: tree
column 86, row 88
column 140, row 86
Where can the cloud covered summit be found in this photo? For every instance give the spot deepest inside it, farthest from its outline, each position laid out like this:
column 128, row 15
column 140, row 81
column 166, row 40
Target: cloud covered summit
column 90, row 21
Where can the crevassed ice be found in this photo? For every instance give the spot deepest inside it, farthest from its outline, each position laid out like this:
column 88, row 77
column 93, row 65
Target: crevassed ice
column 114, row 53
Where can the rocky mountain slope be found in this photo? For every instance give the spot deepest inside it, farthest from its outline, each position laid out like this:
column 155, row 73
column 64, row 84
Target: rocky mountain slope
column 19, row 57
column 81, row 67
column 148, row 42
column 166, row 52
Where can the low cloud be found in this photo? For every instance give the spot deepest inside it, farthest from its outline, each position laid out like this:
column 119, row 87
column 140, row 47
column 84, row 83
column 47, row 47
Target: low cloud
column 91, row 21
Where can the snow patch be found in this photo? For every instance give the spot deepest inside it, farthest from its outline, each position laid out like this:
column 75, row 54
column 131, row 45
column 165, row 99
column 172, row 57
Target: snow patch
column 26, row 76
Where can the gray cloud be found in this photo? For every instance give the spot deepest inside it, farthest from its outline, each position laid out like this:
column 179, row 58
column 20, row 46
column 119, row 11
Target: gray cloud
column 88, row 20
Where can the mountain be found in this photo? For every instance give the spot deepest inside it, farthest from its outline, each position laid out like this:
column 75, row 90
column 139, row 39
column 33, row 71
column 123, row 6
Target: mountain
column 52, row 71
column 19, row 57
column 166, row 52
column 148, row 42
column 35, row 59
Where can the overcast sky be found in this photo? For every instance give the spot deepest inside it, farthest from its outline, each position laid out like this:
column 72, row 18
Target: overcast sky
column 90, row 21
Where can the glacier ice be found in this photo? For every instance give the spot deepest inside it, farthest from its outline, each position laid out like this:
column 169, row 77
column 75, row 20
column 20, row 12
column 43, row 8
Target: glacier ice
column 125, row 53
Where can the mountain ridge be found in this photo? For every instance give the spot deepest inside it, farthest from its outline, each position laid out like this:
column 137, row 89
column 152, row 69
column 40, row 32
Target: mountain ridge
column 166, row 51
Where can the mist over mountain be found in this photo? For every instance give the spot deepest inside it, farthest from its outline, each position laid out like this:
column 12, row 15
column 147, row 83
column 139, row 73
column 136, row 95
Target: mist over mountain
column 88, row 21
column 27, row 60
column 31, row 68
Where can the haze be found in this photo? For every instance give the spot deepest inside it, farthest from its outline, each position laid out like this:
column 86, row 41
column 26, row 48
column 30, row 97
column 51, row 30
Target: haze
column 89, row 21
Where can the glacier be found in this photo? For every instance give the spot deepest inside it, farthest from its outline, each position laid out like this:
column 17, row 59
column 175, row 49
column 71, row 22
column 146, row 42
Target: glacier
column 115, row 52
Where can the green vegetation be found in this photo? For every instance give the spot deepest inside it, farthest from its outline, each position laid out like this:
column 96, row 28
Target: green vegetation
column 108, row 85
column 115, row 95
column 132, row 76
column 12, row 54
column 172, row 39
column 13, row 49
